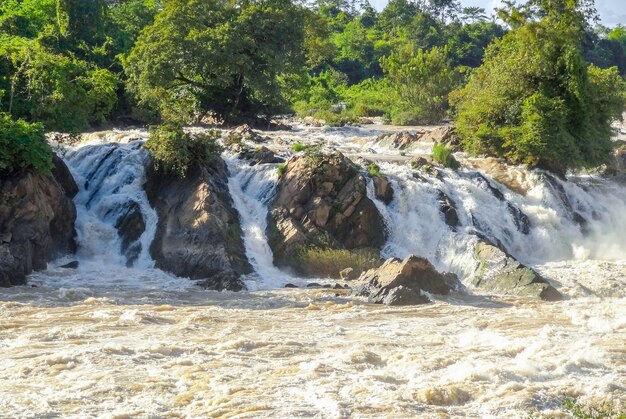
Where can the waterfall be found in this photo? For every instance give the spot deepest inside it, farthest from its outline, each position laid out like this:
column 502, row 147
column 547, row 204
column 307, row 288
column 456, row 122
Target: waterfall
column 583, row 218
column 251, row 188
column 110, row 177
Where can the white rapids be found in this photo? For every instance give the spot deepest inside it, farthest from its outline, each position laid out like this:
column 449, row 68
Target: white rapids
column 116, row 341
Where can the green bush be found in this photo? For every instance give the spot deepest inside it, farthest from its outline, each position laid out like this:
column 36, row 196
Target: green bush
column 23, row 145
column 281, row 169
column 443, row 155
column 328, row 262
column 175, row 151
column 373, row 169
column 297, row 147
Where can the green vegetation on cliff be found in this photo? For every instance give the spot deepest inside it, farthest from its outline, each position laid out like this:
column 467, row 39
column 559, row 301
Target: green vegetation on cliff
column 23, row 145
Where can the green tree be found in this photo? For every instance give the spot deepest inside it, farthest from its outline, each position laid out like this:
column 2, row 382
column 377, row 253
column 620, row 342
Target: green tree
column 422, row 80
column 23, row 145
column 535, row 100
column 207, row 55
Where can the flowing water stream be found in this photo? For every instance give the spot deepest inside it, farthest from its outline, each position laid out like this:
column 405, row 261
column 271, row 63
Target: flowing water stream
column 122, row 339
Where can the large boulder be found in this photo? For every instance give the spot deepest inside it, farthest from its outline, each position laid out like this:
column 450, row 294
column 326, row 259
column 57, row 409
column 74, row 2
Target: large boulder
column 513, row 177
column 404, row 282
column 198, row 234
column 37, row 218
column 401, row 140
column 260, row 155
column 321, row 201
column 245, row 133
column 383, row 189
column 498, row 272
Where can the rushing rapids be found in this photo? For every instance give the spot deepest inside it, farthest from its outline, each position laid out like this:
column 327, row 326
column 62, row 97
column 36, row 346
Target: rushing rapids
column 118, row 338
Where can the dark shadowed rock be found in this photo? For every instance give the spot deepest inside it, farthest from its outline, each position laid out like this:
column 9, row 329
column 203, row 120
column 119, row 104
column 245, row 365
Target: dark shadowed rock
column 198, row 234
column 448, row 209
column 72, row 265
column 37, row 218
column 403, row 282
column 64, row 177
column 382, row 188
column 322, row 202
column 260, row 155
column 130, row 226
column 498, row 272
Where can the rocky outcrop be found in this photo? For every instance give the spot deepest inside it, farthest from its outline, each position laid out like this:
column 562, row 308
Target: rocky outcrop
column 260, row 155
column 321, row 201
column 198, row 234
column 407, row 139
column 130, row 225
column 513, row 177
column 498, row 272
column 404, row 282
column 37, row 218
column 245, row 133
column 382, row 188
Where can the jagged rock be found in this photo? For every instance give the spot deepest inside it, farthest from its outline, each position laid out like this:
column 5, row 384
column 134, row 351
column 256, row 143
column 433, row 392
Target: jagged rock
column 442, row 135
column 513, row 177
column 448, row 209
column 261, row 155
column 198, row 234
column 37, row 218
column 403, row 282
column 382, row 188
column 64, row 177
column 498, row 272
column 401, row 140
column 322, row 202
column 244, row 132
column 72, row 265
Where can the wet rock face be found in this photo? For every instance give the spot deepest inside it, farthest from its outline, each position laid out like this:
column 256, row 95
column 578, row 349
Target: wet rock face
column 403, row 282
column 500, row 273
column 383, row 189
column 406, row 139
column 261, row 155
column 37, row 218
column 198, row 234
column 130, row 226
column 322, row 202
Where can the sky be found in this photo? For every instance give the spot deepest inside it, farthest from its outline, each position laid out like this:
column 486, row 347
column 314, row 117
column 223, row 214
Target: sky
column 612, row 12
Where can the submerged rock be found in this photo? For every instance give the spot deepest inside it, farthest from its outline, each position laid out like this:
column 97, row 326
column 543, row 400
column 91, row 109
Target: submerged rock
column 404, row 282
column 198, row 235
column 37, row 218
column 498, row 272
column 448, row 209
column 72, row 265
column 321, row 201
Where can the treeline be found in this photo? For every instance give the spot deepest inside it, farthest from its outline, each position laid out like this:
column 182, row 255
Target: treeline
column 75, row 64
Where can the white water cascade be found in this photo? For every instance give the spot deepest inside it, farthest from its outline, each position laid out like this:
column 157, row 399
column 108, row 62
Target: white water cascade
column 556, row 220
column 251, row 188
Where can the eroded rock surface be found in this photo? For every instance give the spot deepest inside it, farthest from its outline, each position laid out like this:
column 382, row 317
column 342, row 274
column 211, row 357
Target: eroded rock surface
column 37, row 219
column 322, row 202
column 404, row 282
column 198, row 234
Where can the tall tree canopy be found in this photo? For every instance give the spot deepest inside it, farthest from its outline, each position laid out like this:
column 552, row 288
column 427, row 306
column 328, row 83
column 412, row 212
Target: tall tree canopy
column 214, row 55
column 534, row 99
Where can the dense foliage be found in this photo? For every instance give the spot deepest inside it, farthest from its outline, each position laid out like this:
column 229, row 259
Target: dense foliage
column 535, row 100
column 176, row 151
column 23, row 145
column 75, row 64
